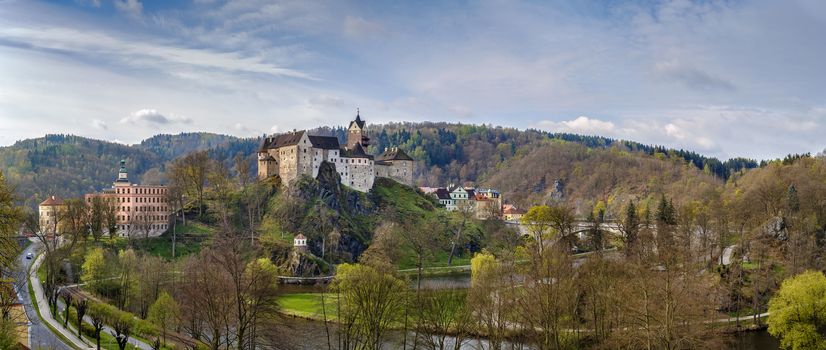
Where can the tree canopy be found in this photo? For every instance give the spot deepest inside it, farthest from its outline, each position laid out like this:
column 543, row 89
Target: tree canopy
column 798, row 312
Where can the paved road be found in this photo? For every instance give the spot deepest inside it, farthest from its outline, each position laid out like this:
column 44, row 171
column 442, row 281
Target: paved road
column 133, row 343
column 41, row 336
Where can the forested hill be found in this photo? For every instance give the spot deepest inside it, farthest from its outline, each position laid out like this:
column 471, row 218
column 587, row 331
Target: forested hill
column 461, row 152
column 70, row 166
column 448, row 153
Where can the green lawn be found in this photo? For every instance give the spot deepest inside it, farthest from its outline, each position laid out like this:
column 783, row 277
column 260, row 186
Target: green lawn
column 307, row 305
column 159, row 246
column 440, row 260
column 195, row 228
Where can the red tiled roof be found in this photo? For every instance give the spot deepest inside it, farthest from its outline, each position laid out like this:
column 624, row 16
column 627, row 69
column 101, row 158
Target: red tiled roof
column 300, row 236
column 513, row 210
column 52, row 201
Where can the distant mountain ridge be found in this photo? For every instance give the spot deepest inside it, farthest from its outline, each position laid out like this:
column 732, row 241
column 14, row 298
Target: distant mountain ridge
column 69, row 165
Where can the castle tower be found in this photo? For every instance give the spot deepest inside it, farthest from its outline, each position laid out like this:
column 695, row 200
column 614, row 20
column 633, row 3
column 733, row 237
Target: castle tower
column 123, row 178
column 357, row 133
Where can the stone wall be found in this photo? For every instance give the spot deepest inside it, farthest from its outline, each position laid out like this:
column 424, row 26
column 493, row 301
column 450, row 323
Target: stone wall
column 398, row 170
column 287, row 163
column 359, row 175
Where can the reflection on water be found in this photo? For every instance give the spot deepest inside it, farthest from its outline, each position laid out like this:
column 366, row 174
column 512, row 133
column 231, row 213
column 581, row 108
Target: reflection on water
column 444, row 282
column 760, row 340
column 307, row 335
column 459, row 281
column 313, row 334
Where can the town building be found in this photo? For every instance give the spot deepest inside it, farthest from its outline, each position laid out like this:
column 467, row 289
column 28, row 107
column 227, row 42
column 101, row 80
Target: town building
column 484, row 202
column 297, row 153
column 140, row 210
column 512, row 213
column 50, row 212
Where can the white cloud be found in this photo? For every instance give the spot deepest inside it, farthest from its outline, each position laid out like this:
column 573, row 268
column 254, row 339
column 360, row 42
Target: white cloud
column 674, row 131
column 143, row 53
column 580, row 125
column 99, row 124
column 152, row 116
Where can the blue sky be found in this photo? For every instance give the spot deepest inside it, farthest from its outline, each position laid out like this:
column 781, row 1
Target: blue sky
column 727, row 78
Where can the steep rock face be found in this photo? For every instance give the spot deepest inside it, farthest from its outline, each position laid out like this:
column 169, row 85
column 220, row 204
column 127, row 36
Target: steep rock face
column 304, row 264
column 328, row 189
column 338, row 221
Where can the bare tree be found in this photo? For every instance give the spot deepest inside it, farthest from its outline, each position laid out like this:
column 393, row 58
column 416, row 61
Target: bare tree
column 242, row 167
column 109, row 213
column 193, row 169
column 465, row 211
column 96, row 219
column 49, row 238
column 221, row 187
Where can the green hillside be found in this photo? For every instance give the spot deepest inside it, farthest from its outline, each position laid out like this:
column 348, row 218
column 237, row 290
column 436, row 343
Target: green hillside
column 70, row 166
column 449, row 153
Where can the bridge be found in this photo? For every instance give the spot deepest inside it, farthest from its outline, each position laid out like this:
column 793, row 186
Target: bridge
column 580, row 227
column 304, row 280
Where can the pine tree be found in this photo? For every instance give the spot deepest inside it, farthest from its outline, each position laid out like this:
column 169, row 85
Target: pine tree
column 792, row 199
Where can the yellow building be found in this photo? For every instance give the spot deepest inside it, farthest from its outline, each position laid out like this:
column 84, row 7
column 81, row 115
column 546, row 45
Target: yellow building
column 51, row 215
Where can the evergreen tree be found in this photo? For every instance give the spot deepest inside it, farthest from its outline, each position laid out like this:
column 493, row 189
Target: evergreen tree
column 630, row 224
column 792, row 199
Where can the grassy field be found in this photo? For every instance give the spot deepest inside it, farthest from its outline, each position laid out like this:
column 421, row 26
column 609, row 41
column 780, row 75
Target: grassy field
column 195, row 229
column 308, row 305
column 190, row 239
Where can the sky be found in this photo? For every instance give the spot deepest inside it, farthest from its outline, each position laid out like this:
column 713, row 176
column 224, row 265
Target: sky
column 723, row 78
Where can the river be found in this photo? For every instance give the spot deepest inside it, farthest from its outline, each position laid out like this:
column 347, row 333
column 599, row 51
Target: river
column 314, row 333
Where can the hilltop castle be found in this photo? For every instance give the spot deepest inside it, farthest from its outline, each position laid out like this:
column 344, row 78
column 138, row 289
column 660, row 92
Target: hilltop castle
column 299, row 153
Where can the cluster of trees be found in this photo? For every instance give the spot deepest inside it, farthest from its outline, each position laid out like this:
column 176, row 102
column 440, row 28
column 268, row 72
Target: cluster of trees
column 89, row 317
column 581, row 176
column 73, row 165
column 10, row 218
column 536, row 292
column 721, row 169
column 660, row 274
column 448, row 153
column 222, row 297
column 69, row 165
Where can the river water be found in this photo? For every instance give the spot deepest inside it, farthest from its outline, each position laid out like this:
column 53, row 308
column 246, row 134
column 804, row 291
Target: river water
column 313, row 333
